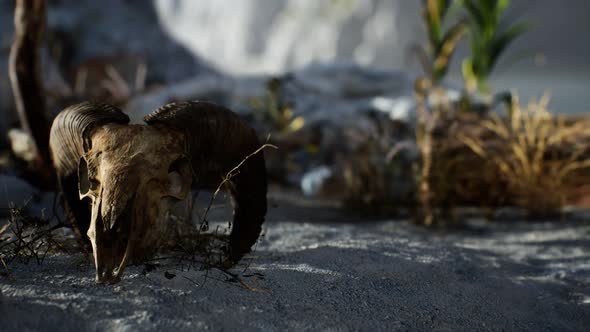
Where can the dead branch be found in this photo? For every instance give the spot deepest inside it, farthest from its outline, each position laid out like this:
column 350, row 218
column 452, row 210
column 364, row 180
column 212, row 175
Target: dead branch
column 25, row 77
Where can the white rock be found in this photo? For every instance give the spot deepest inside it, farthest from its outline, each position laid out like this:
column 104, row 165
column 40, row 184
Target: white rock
column 312, row 181
column 22, row 144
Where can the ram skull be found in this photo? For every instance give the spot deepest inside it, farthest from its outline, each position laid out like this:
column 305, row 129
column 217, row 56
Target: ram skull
column 120, row 180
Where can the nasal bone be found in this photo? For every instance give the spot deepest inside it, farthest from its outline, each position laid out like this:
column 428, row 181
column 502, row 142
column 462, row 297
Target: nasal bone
column 113, row 210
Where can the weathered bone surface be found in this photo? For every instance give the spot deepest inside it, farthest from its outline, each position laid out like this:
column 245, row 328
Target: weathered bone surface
column 120, row 180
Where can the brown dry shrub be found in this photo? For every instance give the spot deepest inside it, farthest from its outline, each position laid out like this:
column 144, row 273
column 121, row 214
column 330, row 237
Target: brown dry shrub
column 531, row 159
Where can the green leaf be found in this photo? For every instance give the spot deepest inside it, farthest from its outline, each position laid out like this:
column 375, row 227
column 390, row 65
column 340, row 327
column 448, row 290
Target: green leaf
column 434, row 14
column 443, row 6
column 488, row 5
column 432, row 21
column 451, row 38
column 487, row 41
column 502, row 42
column 501, row 6
column 488, row 11
column 469, row 75
column 447, row 47
column 505, row 98
column 475, row 13
column 484, row 87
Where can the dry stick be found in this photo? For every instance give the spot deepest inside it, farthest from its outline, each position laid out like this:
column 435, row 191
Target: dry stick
column 251, row 260
column 117, row 85
column 205, row 277
column 40, row 235
column 25, row 77
column 4, row 264
column 192, row 281
column 424, row 140
column 226, row 179
column 238, row 279
column 140, row 75
column 232, row 173
column 80, row 82
column 20, row 238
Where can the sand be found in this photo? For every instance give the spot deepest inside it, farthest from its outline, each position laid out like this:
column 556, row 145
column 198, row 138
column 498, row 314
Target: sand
column 319, row 268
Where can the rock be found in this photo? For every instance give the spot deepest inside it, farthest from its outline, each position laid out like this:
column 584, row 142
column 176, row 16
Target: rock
column 210, row 87
column 399, row 109
column 320, row 92
column 345, row 109
column 313, row 180
column 22, row 144
column 350, row 81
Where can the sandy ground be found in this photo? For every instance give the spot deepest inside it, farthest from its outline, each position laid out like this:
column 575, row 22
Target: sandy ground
column 318, row 268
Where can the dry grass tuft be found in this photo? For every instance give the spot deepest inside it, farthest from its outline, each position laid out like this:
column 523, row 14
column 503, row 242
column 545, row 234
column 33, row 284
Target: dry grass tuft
column 24, row 238
column 540, row 157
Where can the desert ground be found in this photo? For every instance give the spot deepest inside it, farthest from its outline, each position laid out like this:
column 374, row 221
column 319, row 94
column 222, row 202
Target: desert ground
column 319, row 267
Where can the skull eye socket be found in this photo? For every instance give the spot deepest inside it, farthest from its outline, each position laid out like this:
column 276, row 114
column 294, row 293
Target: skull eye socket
column 179, row 178
column 85, row 183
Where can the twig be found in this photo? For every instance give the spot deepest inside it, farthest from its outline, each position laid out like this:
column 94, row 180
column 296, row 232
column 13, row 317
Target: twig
column 238, row 279
column 192, row 281
column 213, row 253
column 233, row 172
column 4, row 264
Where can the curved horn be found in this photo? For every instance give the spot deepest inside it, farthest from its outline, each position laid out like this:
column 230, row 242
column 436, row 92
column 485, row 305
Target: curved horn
column 66, row 141
column 217, row 141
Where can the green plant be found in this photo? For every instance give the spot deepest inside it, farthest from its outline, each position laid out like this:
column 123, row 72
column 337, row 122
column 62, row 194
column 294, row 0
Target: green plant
column 488, row 41
column 279, row 116
column 442, row 43
column 435, row 59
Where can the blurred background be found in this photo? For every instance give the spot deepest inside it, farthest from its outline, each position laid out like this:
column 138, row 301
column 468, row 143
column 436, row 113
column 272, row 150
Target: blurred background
column 390, row 110
column 333, row 81
column 179, row 38
column 260, row 36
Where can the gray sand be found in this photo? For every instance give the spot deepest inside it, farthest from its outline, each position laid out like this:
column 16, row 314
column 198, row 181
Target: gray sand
column 314, row 271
